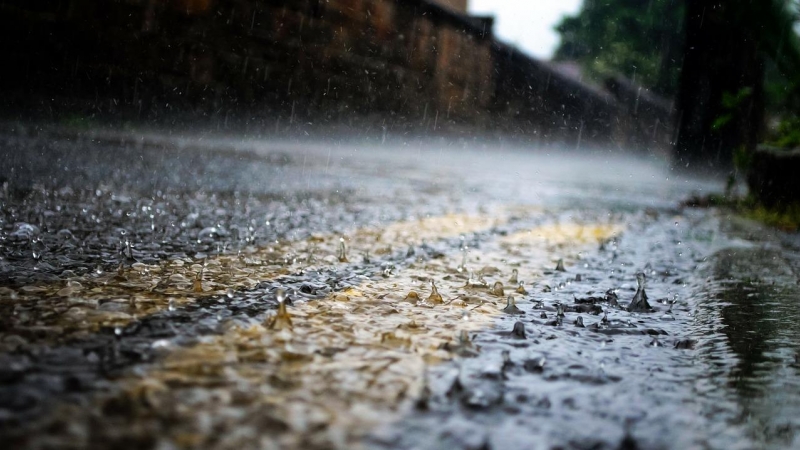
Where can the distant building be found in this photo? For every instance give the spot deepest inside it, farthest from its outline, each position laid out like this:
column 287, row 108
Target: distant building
column 454, row 5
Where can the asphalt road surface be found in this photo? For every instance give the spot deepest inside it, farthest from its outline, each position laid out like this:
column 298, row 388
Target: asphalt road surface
column 201, row 291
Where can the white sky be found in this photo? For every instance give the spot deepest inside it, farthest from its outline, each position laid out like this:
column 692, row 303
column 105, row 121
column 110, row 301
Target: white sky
column 528, row 24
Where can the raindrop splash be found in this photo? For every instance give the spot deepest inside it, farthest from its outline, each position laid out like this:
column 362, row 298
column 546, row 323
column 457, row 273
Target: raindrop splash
column 497, row 289
column 342, row 256
column 435, row 298
column 511, row 307
column 639, row 302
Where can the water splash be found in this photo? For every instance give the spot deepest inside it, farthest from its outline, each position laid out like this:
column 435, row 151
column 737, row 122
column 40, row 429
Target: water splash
column 514, row 279
column 435, row 298
column 511, row 307
column 639, row 302
column 281, row 320
column 342, row 254
column 497, row 289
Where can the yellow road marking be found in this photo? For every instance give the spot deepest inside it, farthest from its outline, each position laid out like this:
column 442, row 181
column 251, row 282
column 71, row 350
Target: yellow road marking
column 60, row 311
column 351, row 362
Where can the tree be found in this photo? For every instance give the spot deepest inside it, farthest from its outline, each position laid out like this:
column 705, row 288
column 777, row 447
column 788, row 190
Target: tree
column 640, row 39
column 721, row 91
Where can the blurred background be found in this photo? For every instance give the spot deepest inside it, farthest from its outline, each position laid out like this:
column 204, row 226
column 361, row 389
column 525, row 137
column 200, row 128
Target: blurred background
column 701, row 82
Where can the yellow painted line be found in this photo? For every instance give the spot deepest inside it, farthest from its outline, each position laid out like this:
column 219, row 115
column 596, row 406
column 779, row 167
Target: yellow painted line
column 59, row 311
column 348, row 364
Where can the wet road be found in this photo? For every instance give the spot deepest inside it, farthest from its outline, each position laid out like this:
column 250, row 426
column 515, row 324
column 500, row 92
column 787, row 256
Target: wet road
column 141, row 275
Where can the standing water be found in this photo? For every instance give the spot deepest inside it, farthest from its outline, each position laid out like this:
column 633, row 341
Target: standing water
column 414, row 295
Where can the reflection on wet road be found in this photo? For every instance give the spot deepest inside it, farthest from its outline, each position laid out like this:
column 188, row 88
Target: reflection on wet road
column 140, row 278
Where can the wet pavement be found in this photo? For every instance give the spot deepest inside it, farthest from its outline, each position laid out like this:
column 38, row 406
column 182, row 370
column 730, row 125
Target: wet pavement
column 197, row 291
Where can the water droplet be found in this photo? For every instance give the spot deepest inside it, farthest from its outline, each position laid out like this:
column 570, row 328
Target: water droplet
column 514, row 277
column 463, row 266
column 171, row 304
column 560, row 266
column 579, row 322
column 497, row 289
column 519, row 330
column 37, row 248
column 229, row 293
column 435, row 297
column 511, row 307
column 197, row 286
column 521, row 289
column 281, row 320
column 639, row 302
column 342, row 255
column 412, row 297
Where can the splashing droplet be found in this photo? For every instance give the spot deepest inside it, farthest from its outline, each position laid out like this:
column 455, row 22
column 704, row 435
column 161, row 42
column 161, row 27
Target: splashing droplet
column 37, row 248
column 519, row 330
column 560, row 266
column 412, row 297
column 342, row 256
column 281, row 320
column 639, row 302
column 435, row 298
column 514, row 277
column 497, row 289
column 579, row 322
column 198, row 281
column 463, row 266
column 511, row 307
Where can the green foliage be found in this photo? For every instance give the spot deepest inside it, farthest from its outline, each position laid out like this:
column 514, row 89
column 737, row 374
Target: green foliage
column 642, row 40
column 787, row 134
column 730, row 105
column 742, row 158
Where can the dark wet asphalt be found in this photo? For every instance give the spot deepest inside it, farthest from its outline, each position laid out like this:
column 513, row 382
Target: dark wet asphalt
column 718, row 370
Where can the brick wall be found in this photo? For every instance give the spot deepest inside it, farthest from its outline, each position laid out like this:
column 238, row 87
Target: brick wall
column 455, row 5
column 403, row 64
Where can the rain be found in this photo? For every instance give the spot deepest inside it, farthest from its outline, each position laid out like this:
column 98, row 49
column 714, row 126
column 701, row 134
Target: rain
column 400, row 224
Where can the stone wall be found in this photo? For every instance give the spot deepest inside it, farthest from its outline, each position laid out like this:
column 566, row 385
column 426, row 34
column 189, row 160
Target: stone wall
column 398, row 64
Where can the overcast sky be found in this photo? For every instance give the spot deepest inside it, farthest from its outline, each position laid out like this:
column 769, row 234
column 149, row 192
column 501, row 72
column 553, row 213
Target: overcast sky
column 527, row 23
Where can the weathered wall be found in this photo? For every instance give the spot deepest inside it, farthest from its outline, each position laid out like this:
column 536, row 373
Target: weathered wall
column 399, row 64
column 299, row 59
column 455, row 5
